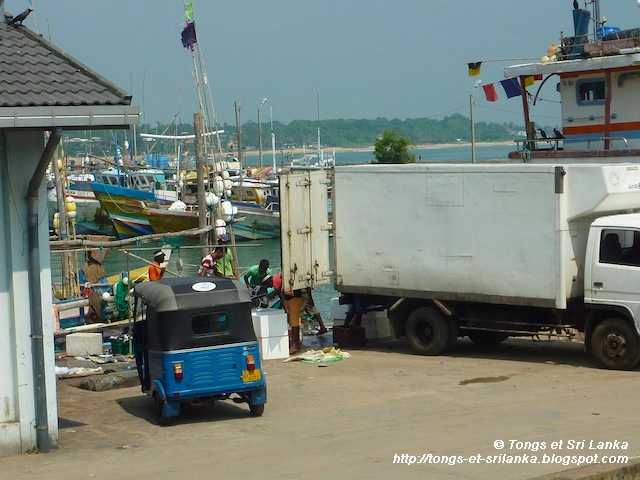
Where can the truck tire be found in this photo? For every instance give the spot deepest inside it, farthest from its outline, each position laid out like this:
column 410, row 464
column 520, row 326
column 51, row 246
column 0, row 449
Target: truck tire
column 615, row 345
column 427, row 331
column 486, row 339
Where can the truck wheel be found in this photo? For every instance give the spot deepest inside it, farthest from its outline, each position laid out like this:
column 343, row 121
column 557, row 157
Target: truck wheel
column 486, row 339
column 615, row 345
column 427, row 331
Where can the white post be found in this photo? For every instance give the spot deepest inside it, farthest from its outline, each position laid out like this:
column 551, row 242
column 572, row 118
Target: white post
column 473, row 126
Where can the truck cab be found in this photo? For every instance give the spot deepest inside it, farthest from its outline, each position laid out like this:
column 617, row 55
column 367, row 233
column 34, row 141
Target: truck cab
column 612, row 288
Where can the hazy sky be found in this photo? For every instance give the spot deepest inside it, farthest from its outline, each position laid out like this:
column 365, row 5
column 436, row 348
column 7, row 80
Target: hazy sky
column 362, row 58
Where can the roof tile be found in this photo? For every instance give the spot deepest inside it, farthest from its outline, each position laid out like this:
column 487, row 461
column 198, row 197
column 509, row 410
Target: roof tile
column 35, row 73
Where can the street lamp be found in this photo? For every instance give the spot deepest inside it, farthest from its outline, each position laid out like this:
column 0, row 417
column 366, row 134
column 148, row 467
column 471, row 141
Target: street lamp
column 273, row 139
column 260, row 129
column 473, row 128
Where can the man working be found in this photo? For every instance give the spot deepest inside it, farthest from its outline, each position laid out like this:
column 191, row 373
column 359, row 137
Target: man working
column 223, row 257
column 219, row 263
column 257, row 278
column 254, row 276
column 156, row 270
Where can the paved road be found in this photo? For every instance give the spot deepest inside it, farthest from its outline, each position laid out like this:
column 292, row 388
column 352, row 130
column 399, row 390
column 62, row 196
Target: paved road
column 350, row 419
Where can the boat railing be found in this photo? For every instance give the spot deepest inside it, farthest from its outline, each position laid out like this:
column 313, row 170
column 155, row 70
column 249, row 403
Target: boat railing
column 598, row 143
column 538, row 144
column 555, row 143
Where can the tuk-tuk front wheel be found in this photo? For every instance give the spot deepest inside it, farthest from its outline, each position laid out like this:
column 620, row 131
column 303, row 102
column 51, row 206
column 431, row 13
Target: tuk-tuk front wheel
column 256, row 410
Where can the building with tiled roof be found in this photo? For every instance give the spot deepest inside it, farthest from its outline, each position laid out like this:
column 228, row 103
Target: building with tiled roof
column 43, row 92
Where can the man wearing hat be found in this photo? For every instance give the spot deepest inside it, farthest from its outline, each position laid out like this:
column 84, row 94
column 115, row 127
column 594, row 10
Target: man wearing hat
column 156, row 270
column 219, row 262
column 223, row 257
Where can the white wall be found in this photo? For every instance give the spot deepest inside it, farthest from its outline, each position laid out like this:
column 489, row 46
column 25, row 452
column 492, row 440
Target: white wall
column 19, row 156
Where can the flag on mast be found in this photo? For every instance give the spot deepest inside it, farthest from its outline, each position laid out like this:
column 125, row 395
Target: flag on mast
column 188, row 12
column 189, row 35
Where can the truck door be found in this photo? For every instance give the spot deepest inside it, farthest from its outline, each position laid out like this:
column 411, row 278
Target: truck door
column 615, row 269
column 304, row 228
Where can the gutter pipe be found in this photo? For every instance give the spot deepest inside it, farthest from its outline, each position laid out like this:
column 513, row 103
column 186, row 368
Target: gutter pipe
column 35, row 293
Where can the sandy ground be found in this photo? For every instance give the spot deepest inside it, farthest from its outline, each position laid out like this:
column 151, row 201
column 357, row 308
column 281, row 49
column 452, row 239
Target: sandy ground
column 351, row 418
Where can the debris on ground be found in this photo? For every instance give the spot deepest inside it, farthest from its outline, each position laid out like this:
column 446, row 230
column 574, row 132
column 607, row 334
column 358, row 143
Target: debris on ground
column 74, row 372
column 328, row 354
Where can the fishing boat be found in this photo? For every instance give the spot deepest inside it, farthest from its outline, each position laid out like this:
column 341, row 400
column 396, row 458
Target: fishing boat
column 598, row 80
column 88, row 209
column 137, row 212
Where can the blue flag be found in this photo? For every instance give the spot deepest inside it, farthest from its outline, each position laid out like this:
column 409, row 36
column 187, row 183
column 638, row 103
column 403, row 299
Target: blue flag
column 511, row 87
column 189, row 35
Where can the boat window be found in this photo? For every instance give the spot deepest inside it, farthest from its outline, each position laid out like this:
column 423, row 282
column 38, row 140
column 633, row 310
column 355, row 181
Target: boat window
column 208, row 323
column 591, row 91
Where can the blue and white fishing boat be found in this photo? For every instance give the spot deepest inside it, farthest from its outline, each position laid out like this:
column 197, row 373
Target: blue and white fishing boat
column 596, row 74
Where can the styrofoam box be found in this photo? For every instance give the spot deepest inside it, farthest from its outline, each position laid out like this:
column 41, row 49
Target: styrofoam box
column 81, row 344
column 376, row 325
column 272, row 348
column 269, row 322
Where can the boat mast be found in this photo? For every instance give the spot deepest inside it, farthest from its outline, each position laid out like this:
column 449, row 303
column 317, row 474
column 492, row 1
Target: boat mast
column 319, row 149
column 273, row 140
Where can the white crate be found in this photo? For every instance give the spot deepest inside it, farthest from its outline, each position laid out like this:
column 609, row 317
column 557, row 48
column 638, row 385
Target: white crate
column 272, row 348
column 376, row 325
column 269, row 322
column 82, row 344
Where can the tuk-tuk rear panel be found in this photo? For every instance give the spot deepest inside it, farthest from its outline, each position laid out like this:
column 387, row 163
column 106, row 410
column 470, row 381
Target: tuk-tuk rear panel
column 208, row 371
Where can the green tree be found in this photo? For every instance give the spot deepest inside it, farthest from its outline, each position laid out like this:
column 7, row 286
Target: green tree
column 393, row 149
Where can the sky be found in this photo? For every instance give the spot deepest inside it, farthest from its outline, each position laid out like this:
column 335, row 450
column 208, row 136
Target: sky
column 327, row 59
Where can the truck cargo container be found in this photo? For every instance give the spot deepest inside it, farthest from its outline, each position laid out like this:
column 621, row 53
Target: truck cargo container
column 486, row 251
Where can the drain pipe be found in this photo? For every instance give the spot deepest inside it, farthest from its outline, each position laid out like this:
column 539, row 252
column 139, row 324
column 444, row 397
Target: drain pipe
column 35, row 293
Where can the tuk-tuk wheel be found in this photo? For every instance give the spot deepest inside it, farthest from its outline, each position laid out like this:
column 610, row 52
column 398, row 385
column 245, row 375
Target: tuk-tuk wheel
column 257, row 410
column 163, row 420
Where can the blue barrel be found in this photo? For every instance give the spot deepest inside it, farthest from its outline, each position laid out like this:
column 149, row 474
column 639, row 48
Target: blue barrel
column 163, row 161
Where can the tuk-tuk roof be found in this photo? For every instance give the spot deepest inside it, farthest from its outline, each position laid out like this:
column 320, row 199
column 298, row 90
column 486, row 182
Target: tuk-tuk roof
column 172, row 294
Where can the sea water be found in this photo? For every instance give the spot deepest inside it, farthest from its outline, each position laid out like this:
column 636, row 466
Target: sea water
column 250, row 253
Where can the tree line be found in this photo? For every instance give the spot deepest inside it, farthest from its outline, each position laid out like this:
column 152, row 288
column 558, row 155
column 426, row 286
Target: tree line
column 298, row 133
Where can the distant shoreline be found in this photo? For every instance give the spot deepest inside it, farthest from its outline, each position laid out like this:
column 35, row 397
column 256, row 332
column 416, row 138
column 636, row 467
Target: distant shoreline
column 426, row 146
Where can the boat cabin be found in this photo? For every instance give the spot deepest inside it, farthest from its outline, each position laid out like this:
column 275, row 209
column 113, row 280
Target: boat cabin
column 598, row 79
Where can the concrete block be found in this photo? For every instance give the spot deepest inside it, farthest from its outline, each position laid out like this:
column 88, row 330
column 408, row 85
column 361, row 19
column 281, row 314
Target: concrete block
column 269, row 322
column 82, row 344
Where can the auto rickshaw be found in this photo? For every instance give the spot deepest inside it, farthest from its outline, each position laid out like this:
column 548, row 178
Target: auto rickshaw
column 194, row 343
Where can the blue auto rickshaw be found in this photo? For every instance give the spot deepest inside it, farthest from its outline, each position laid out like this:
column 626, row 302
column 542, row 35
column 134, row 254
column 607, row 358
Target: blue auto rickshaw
column 194, row 342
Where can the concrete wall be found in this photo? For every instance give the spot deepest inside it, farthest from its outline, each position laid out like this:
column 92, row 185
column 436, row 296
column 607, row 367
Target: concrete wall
column 19, row 155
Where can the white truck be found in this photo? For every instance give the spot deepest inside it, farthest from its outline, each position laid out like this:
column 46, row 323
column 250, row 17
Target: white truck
column 486, row 250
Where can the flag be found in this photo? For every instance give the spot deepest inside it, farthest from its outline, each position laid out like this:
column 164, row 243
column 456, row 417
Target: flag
column 528, row 81
column 189, row 35
column 511, row 87
column 188, row 12
column 474, row 68
column 490, row 92
column 537, row 77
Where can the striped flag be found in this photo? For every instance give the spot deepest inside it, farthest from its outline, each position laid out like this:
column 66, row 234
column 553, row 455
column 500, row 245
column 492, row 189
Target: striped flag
column 474, row 68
